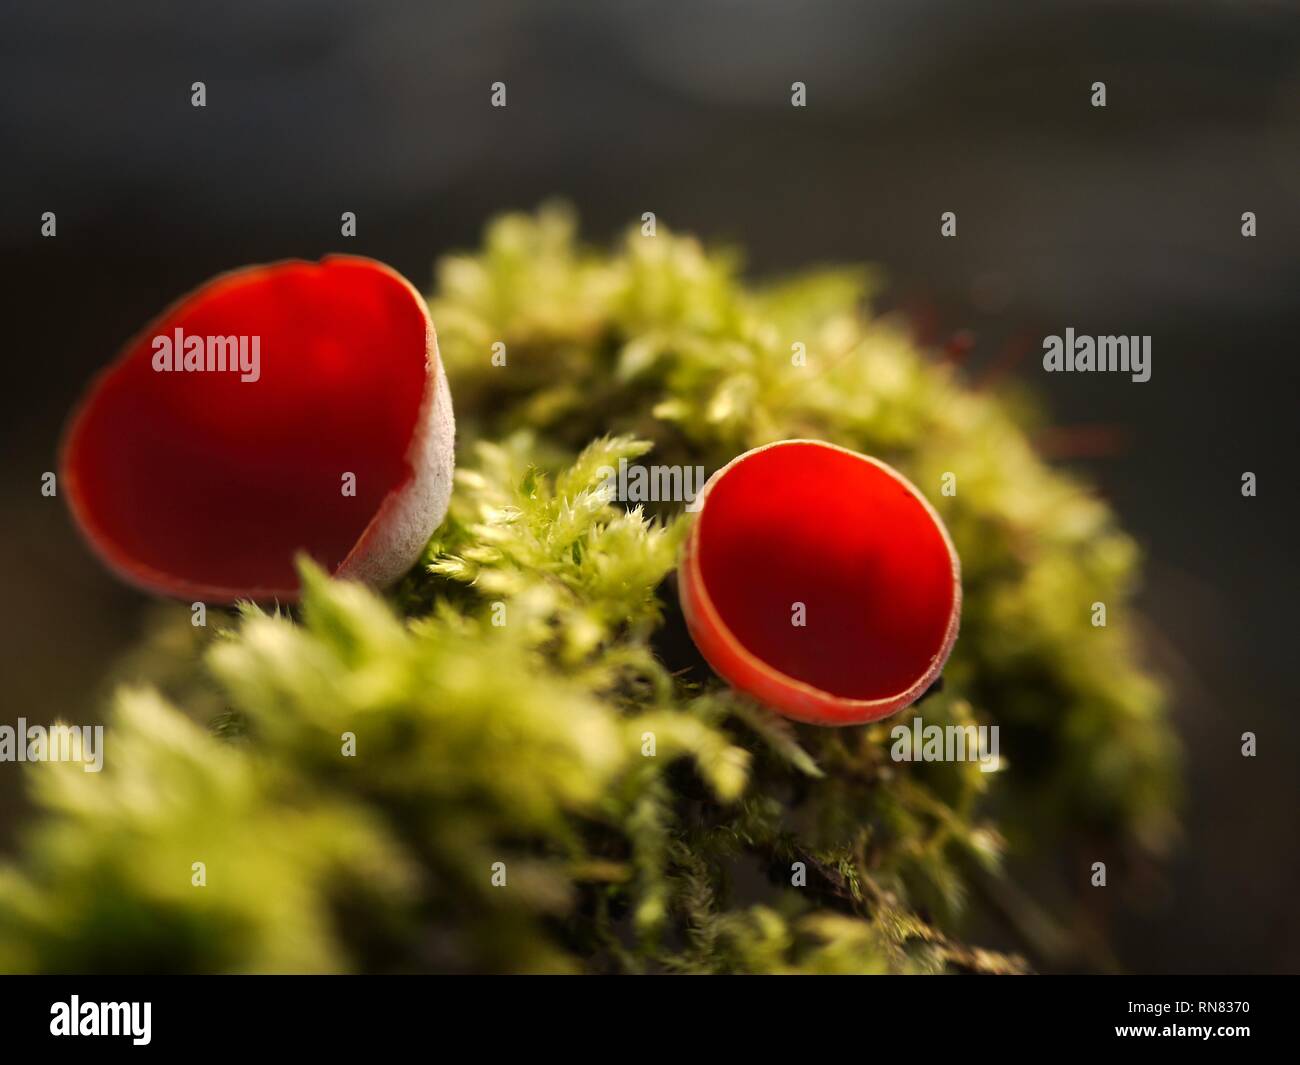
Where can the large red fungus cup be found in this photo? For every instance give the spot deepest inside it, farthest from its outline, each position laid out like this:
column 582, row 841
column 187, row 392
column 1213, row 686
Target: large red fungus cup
column 821, row 582
column 311, row 415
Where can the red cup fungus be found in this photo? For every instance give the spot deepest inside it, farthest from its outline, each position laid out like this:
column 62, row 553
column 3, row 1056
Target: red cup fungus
column 294, row 407
column 821, row 582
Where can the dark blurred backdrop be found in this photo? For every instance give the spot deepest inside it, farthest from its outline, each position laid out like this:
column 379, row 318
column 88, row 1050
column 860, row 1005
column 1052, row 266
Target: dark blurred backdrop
column 1124, row 219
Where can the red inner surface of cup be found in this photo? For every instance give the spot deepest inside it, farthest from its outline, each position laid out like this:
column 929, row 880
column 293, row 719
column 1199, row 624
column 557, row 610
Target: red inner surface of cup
column 219, row 482
column 806, row 523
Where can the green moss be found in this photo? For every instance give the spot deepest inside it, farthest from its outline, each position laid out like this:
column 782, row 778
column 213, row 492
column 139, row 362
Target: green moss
column 503, row 697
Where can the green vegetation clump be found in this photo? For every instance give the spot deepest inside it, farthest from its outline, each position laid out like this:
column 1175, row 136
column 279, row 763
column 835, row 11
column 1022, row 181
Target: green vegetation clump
column 535, row 777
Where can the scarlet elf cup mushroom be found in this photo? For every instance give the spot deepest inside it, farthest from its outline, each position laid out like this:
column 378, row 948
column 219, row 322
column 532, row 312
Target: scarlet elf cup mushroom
column 294, row 407
column 821, row 582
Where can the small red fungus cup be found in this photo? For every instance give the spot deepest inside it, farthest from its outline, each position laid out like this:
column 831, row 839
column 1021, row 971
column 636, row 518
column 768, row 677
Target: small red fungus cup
column 283, row 409
column 821, row 582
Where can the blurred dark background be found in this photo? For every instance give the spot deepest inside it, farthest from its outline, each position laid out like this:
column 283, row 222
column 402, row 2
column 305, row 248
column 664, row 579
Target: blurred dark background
column 1117, row 220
